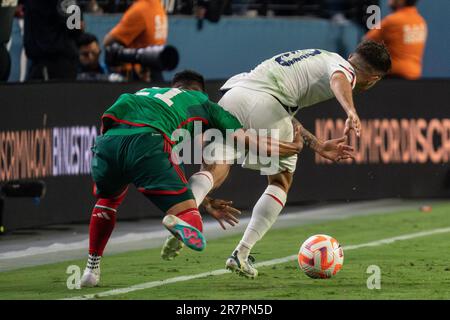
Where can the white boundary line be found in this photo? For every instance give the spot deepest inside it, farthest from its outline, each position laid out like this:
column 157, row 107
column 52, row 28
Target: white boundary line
column 152, row 284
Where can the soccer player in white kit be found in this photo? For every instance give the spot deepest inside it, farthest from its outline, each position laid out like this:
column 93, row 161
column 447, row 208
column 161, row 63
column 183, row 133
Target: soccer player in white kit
column 268, row 98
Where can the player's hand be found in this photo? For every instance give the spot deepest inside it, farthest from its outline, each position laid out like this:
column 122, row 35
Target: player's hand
column 222, row 211
column 353, row 123
column 336, row 150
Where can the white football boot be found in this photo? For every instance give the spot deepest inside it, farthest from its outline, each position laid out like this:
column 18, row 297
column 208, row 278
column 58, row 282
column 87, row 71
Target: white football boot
column 243, row 267
column 90, row 278
column 171, row 248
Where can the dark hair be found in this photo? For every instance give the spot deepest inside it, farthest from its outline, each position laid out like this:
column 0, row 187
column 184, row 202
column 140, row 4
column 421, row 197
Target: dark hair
column 86, row 38
column 188, row 76
column 376, row 55
column 410, row 3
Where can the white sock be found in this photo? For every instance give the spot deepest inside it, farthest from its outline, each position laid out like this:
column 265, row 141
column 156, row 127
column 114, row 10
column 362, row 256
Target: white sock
column 265, row 213
column 201, row 184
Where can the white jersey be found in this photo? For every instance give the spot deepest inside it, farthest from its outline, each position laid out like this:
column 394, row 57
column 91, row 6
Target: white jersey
column 298, row 78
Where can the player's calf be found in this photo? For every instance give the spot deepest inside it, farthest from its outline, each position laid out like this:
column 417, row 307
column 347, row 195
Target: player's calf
column 103, row 221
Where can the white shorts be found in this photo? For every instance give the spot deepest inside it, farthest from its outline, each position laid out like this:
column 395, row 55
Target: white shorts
column 259, row 110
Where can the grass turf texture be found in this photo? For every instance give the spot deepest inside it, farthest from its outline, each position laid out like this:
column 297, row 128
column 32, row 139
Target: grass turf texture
column 411, row 269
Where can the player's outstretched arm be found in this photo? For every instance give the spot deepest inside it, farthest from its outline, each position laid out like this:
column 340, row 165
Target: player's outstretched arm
column 343, row 92
column 267, row 145
column 334, row 149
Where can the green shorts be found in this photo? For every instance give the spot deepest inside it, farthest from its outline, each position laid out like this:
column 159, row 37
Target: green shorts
column 142, row 158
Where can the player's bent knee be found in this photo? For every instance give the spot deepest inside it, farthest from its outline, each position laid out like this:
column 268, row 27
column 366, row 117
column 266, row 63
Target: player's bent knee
column 282, row 180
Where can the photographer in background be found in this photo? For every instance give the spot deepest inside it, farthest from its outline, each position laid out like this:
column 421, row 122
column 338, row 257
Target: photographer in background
column 144, row 24
column 49, row 43
column 90, row 67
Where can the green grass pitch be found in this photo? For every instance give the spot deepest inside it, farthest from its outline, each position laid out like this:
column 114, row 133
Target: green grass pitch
column 411, row 269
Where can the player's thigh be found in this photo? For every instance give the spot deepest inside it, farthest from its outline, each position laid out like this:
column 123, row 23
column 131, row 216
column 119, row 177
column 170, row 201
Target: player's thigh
column 156, row 175
column 269, row 117
column 107, row 174
column 239, row 102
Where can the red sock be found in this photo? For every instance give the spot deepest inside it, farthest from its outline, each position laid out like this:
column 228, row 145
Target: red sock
column 103, row 220
column 193, row 217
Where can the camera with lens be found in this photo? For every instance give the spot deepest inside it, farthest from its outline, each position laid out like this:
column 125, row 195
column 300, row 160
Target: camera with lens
column 163, row 58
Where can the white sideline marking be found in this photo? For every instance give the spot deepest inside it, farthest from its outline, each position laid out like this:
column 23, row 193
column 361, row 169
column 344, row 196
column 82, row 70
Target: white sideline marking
column 77, row 245
column 152, row 284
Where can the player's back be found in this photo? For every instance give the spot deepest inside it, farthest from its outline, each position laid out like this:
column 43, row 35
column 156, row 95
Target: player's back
column 167, row 109
column 296, row 78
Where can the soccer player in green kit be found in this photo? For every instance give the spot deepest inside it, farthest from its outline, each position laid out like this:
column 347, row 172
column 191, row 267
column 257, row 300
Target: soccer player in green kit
column 135, row 147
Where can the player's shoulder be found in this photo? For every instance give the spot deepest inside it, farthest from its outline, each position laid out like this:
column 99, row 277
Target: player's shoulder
column 150, row 90
column 198, row 95
column 333, row 56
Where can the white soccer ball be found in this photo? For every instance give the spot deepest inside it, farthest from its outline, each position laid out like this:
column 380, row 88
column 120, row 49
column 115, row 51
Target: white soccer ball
column 321, row 256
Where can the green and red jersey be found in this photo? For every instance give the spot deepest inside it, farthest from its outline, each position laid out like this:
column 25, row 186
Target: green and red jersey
column 168, row 109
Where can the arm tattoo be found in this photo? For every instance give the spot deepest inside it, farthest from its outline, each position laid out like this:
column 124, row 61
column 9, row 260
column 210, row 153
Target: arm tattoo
column 309, row 139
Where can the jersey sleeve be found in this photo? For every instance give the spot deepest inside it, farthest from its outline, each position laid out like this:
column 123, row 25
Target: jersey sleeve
column 221, row 119
column 130, row 26
column 340, row 66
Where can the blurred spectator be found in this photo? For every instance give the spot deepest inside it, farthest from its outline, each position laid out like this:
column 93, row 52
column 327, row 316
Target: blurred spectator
column 405, row 33
column 210, row 10
column 49, row 44
column 143, row 24
column 89, row 52
column 7, row 11
column 93, row 7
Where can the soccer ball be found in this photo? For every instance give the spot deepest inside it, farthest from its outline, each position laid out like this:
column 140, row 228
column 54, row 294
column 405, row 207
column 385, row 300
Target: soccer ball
column 321, row 256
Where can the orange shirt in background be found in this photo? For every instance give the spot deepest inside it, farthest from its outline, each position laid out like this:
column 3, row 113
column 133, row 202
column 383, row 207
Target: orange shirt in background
column 405, row 33
column 143, row 24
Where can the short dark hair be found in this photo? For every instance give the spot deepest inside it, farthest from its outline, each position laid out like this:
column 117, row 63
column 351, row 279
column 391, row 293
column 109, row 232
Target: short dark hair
column 411, row 3
column 188, row 76
column 86, row 38
column 376, row 55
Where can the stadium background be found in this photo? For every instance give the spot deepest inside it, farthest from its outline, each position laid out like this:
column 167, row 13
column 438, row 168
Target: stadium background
column 68, row 106
column 243, row 42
